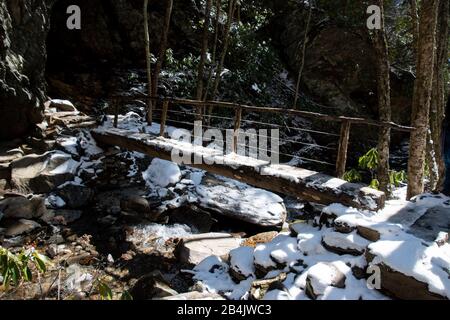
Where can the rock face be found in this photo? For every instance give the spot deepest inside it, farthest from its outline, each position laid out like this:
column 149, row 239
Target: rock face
column 112, row 30
column 343, row 79
column 111, row 37
column 23, row 32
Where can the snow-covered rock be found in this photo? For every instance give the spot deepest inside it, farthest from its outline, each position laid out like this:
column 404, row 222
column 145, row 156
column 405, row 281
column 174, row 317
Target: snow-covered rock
column 162, row 173
column 340, row 243
column 42, row 173
column 242, row 202
column 241, row 263
column 195, row 248
column 280, row 252
column 59, row 105
column 411, row 269
column 321, row 276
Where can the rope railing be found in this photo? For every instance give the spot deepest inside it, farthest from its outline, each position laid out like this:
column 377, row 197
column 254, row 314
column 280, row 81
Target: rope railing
column 344, row 122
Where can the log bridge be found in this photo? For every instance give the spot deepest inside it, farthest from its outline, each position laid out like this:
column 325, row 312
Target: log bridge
column 298, row 182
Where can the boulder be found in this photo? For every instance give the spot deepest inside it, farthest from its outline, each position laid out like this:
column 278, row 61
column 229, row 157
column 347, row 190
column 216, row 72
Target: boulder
column 135, row 203
column 260, row 238
column 162, row 173
column 194, row 249
column 21, row 207
column 323, row 275
column 152, row 286
column 42, row 173
column 411, row 270
column 435, row 221
column 401, row 286
column 138, row 206
column 75, row 196
column 196, row 218
column 239, row 201
column 19, row 227
column 61, row 216
column 260, row 288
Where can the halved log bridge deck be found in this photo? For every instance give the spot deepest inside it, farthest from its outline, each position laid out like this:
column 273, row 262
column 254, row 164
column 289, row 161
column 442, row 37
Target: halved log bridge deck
column 305, row 184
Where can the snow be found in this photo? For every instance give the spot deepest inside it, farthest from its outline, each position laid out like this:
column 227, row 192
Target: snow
column 133, row 122
column 286, row 252
column 68, row 166
column 243, row 202
column 309, row 239
column 338, row 210
column 408, row 255
column 76, row 182
column 350, row 241
column 241, row 260
column 88, row 144
column 263, row 252
column 213, row 272
column 162, row 173
column 321, row 276
column 69, row 144
column 301, row 255
column 196, row 177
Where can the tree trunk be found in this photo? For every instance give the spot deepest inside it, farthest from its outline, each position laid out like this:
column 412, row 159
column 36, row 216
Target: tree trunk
column 163, row 48
column 302, row 62
column 422, row 96
column 415, row 24
column 201, row 65
column 384, row 101
column 214, row 50
column 438, row 98
column 149, row 61
column 232, row 6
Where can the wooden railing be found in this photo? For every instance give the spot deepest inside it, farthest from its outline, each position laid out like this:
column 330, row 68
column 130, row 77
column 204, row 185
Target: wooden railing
column 345, row 122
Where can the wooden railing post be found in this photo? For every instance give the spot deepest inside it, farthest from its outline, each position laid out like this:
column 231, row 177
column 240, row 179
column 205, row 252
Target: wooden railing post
column 341, row 161
column 163, row 118
column 237, row 127
column 116, row 112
